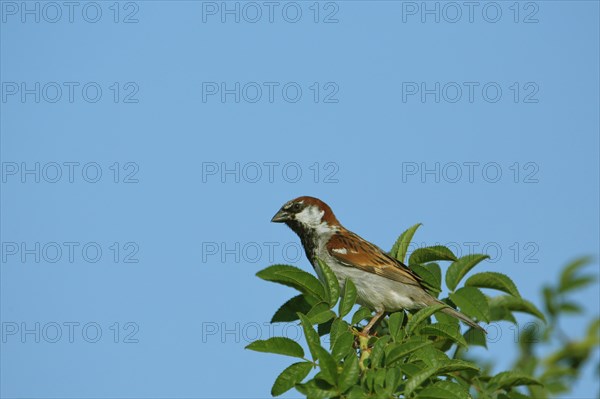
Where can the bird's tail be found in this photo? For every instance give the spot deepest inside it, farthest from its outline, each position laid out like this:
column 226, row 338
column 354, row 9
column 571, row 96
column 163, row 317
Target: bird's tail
column 455, row 313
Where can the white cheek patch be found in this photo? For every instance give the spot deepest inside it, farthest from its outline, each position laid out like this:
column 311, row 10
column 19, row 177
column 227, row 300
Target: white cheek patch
column 342, row 251
column 310, row 216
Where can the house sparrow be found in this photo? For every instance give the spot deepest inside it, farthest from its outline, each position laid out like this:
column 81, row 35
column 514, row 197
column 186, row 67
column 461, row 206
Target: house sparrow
column 382, row 282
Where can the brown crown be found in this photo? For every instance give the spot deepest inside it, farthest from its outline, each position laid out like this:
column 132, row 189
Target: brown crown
column 328, row 216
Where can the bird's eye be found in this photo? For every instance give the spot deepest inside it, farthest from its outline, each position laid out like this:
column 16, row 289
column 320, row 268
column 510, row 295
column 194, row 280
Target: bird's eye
column 296, row 207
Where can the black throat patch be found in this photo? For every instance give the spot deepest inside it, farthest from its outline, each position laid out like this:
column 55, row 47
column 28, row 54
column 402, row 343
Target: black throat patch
column 308, row 238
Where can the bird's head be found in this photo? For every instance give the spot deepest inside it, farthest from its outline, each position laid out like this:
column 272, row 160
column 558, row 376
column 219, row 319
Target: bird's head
column 308, row 213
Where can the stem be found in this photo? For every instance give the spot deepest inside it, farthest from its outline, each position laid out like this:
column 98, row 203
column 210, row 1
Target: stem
column 365, row 352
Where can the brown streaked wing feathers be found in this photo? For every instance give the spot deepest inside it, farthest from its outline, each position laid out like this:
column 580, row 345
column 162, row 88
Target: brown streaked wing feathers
column 366, row 256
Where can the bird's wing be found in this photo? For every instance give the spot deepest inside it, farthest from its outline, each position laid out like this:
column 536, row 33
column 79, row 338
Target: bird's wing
column 352, row 251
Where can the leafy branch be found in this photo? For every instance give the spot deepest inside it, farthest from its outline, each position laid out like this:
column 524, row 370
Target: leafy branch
column 407, row 353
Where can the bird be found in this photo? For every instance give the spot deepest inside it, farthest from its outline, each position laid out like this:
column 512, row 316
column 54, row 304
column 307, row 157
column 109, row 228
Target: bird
column 383, row 283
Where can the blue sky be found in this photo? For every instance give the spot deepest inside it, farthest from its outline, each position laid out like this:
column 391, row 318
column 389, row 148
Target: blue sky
column 146, row 145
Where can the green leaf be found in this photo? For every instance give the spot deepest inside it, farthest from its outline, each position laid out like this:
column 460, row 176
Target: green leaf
column 509, row 379
column 436, row 271
column 357, row 392
column 422, row 315
column 318, row 308
column 400, row 351
column 431, row 275
column 517, row 395
column 448, row 366
column 338, row 327
column 401, row 245
column 332, row 286
column 321, row 318
column 418, row 379
column 593, row 330
column 475, row 337
column 290, row 377
column 570, row 307
column 348, row 298
column 343, row 346
column 431, row 356
column 500, row 312
column 278, row 345
column 361, row 314
column 550, row 300
column 311, row 336
column 395, row 324
column 379, row 381
column 369, row 380
column 517, row 305
column 451, row 331
column 454, row 365
column 460, row 268
column 392, row 378
column 349, row 375
column 530, row 334
column 446, row 318
column 493, row 280
column 320, row 313
column 289, row 310
column 412, row 369
column 295, row 278
column 325, row 328
column 572, row 268
column 575, row 283
column 316, row 389
column 444, row 390
column 472, row 302
column 431, row 254
column 378, row 350
column 327, row 365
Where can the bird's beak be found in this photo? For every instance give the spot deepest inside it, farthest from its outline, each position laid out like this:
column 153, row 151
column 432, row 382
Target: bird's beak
column 280, row 217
